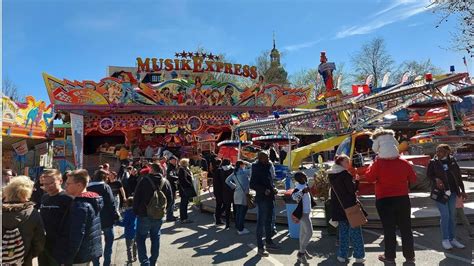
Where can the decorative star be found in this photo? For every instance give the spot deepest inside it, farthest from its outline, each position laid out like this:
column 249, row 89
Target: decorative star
column 210, row 56
column 190, row 55
column 176, row 54
column 197, row 54
column 184, row 54
column 217, row 57
column 204, row 55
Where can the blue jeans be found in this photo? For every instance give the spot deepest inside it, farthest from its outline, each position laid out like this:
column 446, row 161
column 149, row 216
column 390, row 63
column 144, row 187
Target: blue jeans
column 264, row 219
column 147, row 225
column 448, row 217
column 354, row 235
column 240, row 212
column 109, row 241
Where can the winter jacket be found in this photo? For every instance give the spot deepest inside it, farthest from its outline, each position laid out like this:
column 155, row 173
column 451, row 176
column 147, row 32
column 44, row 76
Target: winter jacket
column 185, row 179
column 172, row 176
column 225, row 192
column 28, row 221
column 391, row 177
column 108, row 214
column 54, row 211
column 261, row 179
column 144, row 192
column 385, row 145
column 84, row 241
column 342, row 184
column 129, row 222
column 239, row 181
column 451, row 177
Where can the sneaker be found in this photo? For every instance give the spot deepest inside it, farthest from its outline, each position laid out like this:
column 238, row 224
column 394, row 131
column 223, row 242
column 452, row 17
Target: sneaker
column 383, row 259
column 446, row 244
column 362, row 260
column 302, row 258
column 243, row 232
column 272, row 246
column 456, row 244
column 341, row 259
column 262, row 252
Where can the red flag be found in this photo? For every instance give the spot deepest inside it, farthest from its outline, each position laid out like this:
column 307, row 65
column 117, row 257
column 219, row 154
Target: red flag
column 358, row 89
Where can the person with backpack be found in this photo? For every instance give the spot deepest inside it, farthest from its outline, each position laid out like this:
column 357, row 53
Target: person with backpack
column 54, row 209
column 23, row 234
column 152, row 195
column 239, row 181
column 83, row 242
column 108, row 214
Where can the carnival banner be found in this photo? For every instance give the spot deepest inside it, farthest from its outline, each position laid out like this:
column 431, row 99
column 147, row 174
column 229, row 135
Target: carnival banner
column 42, row 148
column 77, row 128
column 59, row 149
column 21, row 147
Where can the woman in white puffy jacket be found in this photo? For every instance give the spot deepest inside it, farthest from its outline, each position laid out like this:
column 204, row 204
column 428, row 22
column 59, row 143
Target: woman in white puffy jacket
column 385, row 144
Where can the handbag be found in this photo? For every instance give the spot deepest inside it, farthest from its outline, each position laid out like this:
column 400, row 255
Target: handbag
column 355, row 214
column 250, row 198
column 439, row 195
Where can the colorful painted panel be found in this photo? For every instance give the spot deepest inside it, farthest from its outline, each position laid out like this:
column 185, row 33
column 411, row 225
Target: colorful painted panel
column 29, row 119
column 174, row 92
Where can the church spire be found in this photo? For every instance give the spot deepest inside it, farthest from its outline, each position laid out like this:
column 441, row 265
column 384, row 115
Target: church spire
column 274, row 45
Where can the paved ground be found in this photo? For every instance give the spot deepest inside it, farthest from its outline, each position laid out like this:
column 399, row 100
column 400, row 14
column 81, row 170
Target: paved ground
column 202, row 243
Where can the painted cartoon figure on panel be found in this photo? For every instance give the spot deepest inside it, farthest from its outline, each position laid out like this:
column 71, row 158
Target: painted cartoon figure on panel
column 227, row 98
column 197, row 94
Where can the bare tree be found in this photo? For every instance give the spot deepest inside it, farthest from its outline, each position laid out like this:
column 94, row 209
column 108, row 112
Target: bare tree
column 416, row 68
column 463, row 12
column 372, row 59
column 10, row 89
column 304, row 78
column 262, row 62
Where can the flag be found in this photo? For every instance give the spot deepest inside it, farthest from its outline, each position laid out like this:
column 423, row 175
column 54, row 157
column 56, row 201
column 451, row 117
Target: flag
column 369, row 79
column 359, row 89
column 465, row 61
column 385, row 79
column 234, row 120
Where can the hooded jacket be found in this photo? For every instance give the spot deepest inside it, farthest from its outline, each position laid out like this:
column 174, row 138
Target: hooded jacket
column 28, row 221
column 342, row 184
column 83, row 242
column 221, row 190
column 144, row 192
column 108, row 214
column 385, row 144
column 239, row 181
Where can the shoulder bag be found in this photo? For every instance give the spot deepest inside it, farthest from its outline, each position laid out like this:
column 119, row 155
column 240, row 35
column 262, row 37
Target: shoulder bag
column 355, row 214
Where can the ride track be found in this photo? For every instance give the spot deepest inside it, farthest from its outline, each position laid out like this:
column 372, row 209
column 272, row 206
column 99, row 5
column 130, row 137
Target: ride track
column 416, row 90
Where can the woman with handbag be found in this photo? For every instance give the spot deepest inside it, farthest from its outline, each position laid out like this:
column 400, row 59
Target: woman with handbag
column 186, row 189
column 446, row 178
column 343, row 196
column 239, row 181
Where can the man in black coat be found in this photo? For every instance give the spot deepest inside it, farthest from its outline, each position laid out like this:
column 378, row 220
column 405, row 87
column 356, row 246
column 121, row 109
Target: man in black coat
column 226, row 194
column 172, row 176
column 261, row 181
column 147, row 225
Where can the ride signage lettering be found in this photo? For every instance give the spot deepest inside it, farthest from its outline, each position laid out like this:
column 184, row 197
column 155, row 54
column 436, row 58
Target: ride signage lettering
column 197, row 64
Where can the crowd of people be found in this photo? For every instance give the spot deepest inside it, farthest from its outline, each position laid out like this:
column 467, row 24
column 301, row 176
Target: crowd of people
column 77, row 209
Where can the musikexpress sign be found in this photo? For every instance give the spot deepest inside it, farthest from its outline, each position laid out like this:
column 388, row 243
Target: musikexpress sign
column 196, row 63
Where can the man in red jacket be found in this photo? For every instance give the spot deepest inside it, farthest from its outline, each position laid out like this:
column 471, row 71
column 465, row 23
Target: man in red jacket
column 392, row 177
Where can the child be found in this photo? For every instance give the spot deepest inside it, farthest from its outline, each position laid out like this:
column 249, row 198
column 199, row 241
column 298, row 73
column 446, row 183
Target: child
column 129, row 222
column 301, row 193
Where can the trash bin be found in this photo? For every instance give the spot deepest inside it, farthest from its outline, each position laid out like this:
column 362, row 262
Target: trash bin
column 293, row 228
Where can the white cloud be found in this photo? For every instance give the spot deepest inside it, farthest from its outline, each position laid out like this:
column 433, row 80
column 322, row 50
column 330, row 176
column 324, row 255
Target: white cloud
column 397, row 11
column 296, row 47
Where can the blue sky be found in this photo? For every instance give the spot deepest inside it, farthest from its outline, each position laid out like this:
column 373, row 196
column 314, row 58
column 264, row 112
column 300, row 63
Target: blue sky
column 79, row 39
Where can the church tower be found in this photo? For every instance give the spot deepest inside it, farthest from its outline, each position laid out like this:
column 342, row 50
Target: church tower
column 276, row 74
